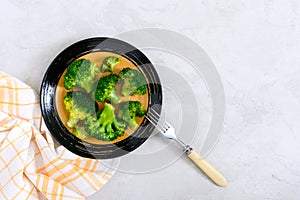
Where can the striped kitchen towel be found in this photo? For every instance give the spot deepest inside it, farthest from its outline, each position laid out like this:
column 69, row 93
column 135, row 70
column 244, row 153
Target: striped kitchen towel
column 32, row 164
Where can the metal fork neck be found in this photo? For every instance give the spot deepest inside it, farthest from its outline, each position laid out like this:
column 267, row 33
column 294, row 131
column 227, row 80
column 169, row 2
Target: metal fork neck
column 186, row 148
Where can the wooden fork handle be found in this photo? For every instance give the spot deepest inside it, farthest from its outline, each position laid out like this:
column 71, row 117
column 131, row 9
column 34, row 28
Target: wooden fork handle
column 208, row 169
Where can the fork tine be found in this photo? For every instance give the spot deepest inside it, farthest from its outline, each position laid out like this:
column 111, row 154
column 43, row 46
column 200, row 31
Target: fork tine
column 167, row 123
column 155, row 124
column 158, row 126
column 153, row 117
column 157, row 116
column 154, row 114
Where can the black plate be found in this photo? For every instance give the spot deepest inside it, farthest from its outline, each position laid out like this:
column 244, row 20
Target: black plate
column 53, row 75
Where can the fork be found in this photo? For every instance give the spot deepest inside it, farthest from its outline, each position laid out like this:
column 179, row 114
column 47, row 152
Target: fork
column 169, row 132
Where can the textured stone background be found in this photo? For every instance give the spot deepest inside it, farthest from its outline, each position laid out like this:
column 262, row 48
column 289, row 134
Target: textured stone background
column 255, row 47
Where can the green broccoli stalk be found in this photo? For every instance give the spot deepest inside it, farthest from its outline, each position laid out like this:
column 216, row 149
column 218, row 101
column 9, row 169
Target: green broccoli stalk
column 81, row 73
column 109, row 63
column 134, row 83
column 129, row 110
column 79, row 105
column 104, row 126
column 106, row 90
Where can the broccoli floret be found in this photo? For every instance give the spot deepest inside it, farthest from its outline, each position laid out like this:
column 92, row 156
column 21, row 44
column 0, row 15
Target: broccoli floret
column 109, row 63
column 104, row 126
column 79, row 131
column 129, row 110
column 134, row 83
column 81, row 73
column 79, row 105
column 106, row 90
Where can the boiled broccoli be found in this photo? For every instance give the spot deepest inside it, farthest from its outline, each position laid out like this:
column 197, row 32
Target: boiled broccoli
column 109, row 63
column 106, row 90
column 81, row 73
column 79, row 105
column 134, row 83
column 104, row 126
column 79, row 131
column 129, row 110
